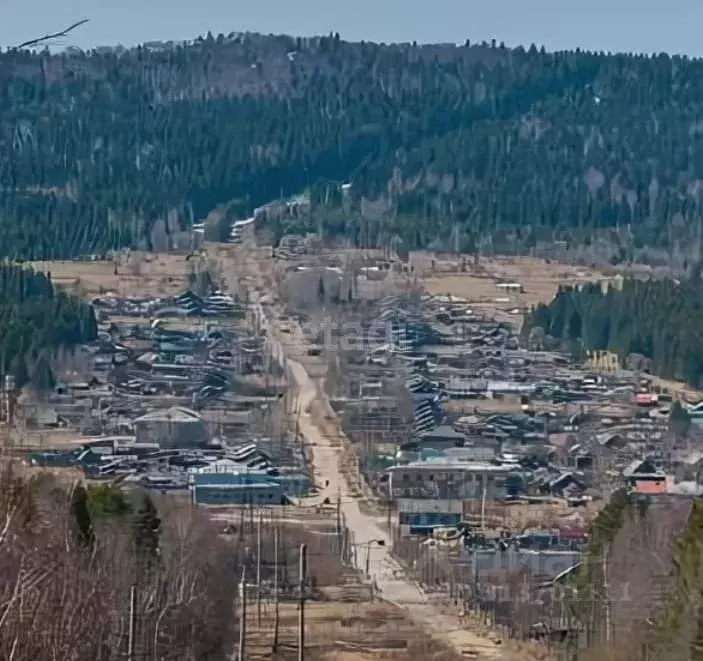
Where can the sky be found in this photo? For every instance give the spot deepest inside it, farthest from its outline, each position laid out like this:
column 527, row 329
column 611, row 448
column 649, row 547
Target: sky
column 672, row 26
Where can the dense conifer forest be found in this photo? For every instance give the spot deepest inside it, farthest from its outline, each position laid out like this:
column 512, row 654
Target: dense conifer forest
column 35, row 320
column 657, row 319
column 461, row 146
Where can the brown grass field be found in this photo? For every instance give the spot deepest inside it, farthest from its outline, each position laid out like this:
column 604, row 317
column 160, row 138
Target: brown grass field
column 478, row 284
column 142, row 274
column 362, row 631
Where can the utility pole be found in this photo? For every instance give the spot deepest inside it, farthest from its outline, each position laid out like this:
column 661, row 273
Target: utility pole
column 258, row 570
column 339, row 520
column 606, row 596
column 243, row 616
column 344, row 552
column 131, row 638
column 388, row 508
column 302, row 571
column 275, row 588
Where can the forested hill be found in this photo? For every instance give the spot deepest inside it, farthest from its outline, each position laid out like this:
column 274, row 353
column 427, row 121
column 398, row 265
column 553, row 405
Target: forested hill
column 442, row 144
column 656, row 319
column 35, row 321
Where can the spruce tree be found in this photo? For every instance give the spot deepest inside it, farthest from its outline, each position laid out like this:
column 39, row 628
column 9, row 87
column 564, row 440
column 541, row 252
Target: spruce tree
column 83, row 524
column 146, row 530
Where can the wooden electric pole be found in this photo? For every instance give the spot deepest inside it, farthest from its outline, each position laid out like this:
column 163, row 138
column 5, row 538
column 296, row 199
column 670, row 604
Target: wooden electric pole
column 275, row 588
column 243, row 616
column 339, row 520
column 131, row 634
column 302, row 571
column 258, row 570
column 389, row 504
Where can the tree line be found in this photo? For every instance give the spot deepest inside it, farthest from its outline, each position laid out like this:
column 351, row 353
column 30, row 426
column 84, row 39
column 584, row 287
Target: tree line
column 472, row 147
column 658, row 319
column 36, row 319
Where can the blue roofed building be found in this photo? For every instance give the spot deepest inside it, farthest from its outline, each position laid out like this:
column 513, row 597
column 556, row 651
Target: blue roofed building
column 225, row 483
column 255, row 488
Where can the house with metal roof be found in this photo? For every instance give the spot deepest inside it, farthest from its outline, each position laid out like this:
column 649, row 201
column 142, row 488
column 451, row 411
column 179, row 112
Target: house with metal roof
column 175, row 427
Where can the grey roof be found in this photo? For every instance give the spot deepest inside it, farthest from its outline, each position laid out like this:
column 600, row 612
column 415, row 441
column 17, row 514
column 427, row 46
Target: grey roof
column 443, row 431
column 633, row 466
column 173, row 414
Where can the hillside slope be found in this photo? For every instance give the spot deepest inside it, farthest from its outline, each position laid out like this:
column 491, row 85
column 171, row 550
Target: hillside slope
column 458, row 146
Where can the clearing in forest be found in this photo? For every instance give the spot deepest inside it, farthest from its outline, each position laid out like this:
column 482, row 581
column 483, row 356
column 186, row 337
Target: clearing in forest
column 141, row 275
column 478, row 283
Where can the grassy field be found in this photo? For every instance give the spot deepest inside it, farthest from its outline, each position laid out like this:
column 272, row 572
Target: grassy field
column 337, row 631
column 478, row 284
column 142, row 274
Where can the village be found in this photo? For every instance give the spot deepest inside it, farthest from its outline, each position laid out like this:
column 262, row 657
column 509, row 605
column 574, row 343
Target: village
column 483, row 455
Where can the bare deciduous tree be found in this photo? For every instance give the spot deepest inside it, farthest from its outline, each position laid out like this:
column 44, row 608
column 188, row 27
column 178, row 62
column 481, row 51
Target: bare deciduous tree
column 61, row 600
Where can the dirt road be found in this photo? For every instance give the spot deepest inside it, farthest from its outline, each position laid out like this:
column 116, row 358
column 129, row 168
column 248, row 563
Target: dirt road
column 383, row 568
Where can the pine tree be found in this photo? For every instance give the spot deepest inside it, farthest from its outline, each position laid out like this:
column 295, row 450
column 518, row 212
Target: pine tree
column 679, row 419
column 146, row 530
column 83, row 530
column 42, row 375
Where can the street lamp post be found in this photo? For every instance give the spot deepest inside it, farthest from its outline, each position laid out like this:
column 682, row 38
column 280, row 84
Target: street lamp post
column 368, row 545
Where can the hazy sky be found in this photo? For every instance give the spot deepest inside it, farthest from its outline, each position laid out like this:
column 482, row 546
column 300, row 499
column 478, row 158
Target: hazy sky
column 630, row 25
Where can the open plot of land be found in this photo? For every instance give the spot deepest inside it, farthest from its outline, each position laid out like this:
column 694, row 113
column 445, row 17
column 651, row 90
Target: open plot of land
column 140, row 275
column 539, row 281
column 345, row 632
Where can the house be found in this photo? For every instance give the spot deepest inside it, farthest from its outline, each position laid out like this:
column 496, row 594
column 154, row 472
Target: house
column 416, row 516
column 611, row 441
column 44, row 415
column 567, row 485
column 579, row 458
column 646, row 399
column 642, row 476
column 175, row 427
column 442, row 436
column 447, row 478
column 695, row 412
column 638, row 468
column 651, row 486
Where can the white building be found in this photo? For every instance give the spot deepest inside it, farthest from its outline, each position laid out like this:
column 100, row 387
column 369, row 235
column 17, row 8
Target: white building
column 431, row 492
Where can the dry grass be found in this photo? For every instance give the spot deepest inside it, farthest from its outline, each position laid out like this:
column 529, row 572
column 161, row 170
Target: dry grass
column 365, row 631
column 143, row 274
column 539, row 280
column 45, row 439
column 532, row 515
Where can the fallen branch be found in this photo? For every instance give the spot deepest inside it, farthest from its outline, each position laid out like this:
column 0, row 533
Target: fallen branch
column 55, row 35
